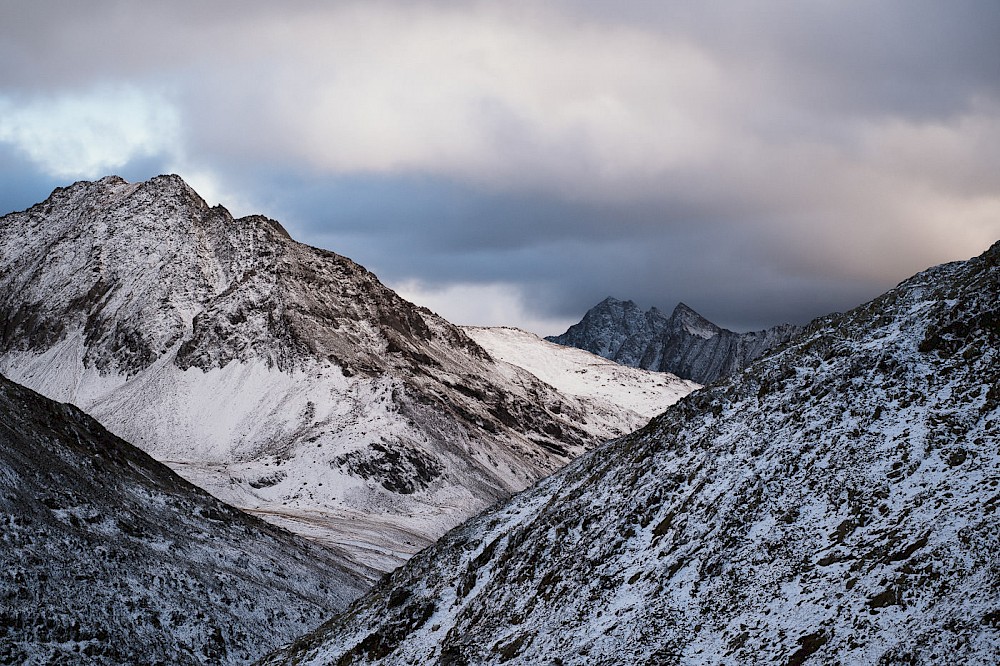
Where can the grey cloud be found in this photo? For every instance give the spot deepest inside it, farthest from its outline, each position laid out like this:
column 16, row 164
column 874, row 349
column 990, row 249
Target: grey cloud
column 21, row 185
column 919, row 59
column 448, row 233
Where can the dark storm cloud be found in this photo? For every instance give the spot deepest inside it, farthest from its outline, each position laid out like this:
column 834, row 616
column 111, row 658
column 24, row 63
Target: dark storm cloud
column 760, row 161
column 21, row 184
column 565, row 256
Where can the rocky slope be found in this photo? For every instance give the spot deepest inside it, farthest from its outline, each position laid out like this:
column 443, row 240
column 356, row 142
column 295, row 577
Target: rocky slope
column 834, row 503
column 642, row 394
column 108, row 557
column 283, row 378
column 685, row 343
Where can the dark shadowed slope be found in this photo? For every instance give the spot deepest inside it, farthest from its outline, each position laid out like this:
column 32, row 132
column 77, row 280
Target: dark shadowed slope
column 108, row 557
column 685, row 343
column 834, row 503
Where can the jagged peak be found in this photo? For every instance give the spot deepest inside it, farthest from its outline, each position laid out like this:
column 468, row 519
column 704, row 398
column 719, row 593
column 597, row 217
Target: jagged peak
column 106, row 182
column 265, row 221
column 992, row 255
column 610, row 302
column 692, row 322
column 682, row 308
column 173, row 184
column 117, row 188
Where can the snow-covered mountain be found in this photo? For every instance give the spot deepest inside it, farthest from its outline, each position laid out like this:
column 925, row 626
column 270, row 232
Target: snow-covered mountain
column 284, row 379
column 685, row 343
column 835, row 503
column 108, row 557
column 642, row 393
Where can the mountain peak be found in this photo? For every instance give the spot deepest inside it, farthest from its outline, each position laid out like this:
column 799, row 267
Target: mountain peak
column 608, row 328
column 171, row 179
column 685, row 343
column 615, row 304
column 683, row 308
column 266, row 222
column 172, row 184
column 138, row 301
column 690, row 321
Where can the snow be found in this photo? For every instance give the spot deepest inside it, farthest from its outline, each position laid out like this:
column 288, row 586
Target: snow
column 111, row 558
column 284, row 379
column 225, row 429
column 580, row 373
column 834, row 503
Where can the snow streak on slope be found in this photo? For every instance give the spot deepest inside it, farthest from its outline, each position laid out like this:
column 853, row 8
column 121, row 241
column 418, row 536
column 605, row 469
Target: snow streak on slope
column 580, row 373
column 108, row 557
column 283, row 378
column 834, row 503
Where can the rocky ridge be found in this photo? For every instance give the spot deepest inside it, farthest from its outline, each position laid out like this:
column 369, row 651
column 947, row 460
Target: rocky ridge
column 285, row 379
column 685, row 343
column 836, row 502
column 111, row 558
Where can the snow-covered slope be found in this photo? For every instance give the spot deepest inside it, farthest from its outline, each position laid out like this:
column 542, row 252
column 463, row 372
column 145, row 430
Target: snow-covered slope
column 577, row 372
column 282, row 378
column 685, row 343
column 108, row 557
column 835, row 503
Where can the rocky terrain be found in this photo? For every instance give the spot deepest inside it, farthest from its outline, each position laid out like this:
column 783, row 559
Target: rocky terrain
column 685, row 343
column 108, row 557
column 836, row 502
column 285, row 379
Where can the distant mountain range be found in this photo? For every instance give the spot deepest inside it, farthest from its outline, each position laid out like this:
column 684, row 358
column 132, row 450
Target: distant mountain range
column 282, row 378
column 836, row 503
column 108, row 557
column 685, row 343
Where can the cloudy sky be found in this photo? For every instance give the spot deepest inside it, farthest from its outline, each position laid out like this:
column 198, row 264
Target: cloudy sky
column 516, row 162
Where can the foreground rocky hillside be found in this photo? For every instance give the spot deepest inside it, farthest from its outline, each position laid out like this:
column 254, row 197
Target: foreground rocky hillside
column 834, row 503
column 685, row 343
column 285, row 379
column 108, row 557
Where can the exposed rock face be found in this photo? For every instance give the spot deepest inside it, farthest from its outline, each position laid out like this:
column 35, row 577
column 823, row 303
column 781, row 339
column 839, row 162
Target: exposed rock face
column 685, row 343
column 285, row 379
column 616, row 330
column 111, row 558
column 838, row 503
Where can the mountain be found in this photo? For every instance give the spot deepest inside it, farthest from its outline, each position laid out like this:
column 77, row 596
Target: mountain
column 685, row 343
column 284, row 379
column 616, row 330
column 641, row 393
column 837, row 503
column 111, row 558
